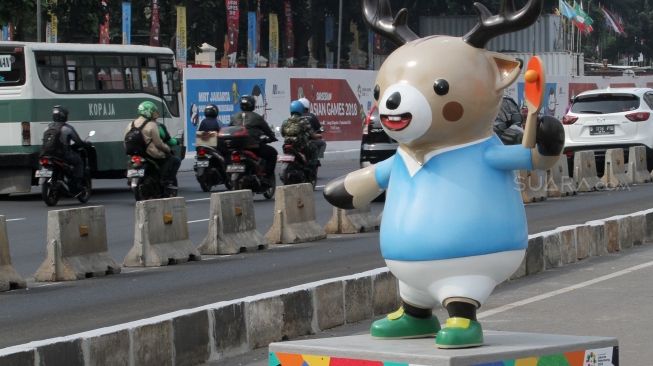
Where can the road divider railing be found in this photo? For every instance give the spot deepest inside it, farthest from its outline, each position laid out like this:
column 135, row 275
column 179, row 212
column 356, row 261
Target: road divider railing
column 161, row 234
column 76, row 246
column 294, row 216
column 230, row 328
column 614, row 173
column 232, row 225
column 636, row 169
column 9, row 278
column 585, row 174
column 559, row 183
column 352, row 221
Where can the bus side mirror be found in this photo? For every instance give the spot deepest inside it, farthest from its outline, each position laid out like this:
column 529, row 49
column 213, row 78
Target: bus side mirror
column 176, row 80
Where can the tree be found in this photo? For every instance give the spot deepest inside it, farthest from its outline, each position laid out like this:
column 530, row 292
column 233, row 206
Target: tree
column 22, row 15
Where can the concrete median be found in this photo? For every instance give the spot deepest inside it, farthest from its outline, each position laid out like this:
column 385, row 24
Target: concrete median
column 9, row 278
column 615, row 169
column 76, row 246
column 351, row 221
column 533, row 185
column 294, row 216
column 585, row 175
column 636, row 170
column 161, row 234
column 559, row 183
column 232, row 225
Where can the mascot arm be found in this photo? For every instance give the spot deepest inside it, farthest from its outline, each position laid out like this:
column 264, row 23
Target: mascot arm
column 357, row 189
column 550, row 141
column 510, row 157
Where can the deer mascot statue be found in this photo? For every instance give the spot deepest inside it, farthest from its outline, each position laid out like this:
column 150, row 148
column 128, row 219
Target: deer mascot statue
column 453, row 225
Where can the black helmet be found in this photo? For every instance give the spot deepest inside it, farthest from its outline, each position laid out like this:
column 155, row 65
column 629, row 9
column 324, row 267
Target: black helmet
column 247, row 103
column 211, row 111
column 59, row 114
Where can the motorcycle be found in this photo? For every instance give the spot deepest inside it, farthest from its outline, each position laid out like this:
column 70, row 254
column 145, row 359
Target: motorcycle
column 55, row 176
column 144, row 178
column 209, row 164
column 295, row 165
column 246, row 169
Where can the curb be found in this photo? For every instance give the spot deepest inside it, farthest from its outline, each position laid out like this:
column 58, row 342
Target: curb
column 229, row 328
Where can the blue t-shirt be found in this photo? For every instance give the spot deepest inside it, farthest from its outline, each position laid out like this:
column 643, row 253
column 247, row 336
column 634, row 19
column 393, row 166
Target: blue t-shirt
column 462, row 202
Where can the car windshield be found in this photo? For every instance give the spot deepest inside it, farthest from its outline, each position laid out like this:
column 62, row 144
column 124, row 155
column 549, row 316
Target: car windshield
column 605, row 103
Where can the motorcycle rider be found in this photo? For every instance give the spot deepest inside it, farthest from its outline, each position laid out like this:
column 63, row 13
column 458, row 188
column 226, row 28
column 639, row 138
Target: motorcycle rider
column 320, row 145
column 256, row 127
column 57, row 142
column 210, row 121
column 156, row 149
column 298, row 128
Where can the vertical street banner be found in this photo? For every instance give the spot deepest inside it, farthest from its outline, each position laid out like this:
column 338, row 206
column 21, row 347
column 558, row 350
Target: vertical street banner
column 259, row 16
column 181, row 37
column 51, row 25
column 274, row 40
column 370, row 50
column 233, row 16
column 328, row 40
column 155, row 28
column 290, row 37
column 126, row 22
column 104, row 22
column 3, row 33
column 251, row 39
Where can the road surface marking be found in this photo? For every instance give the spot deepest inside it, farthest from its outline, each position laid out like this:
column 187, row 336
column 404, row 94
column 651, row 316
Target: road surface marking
column 194, row 221
column 199, row 199
column 561, row 291
column 16, row 219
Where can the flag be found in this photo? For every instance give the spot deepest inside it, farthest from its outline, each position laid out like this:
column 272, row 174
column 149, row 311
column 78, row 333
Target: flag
column 155, row 27
column 274, row 40
column 233, row 16
column 259, row 17
column 566, row 10
column 104, row 22
column 613, row 21
column 290, row 37
column 181, row 37
column 582, row 21
column 251, row 39
column 126, row 22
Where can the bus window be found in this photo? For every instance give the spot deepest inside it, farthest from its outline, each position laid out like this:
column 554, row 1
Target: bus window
column 169, row 94
column 51, row 71
column 132, row 79
column 81, row 74
column 12, row 66
column 150, row 81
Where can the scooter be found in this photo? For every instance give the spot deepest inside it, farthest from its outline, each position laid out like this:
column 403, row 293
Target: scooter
column 295, row 165
column 55, row 176
column 246, row 169
column 209, row 164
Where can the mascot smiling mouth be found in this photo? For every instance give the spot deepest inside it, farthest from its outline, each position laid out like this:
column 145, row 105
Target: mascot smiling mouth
column 396, row 122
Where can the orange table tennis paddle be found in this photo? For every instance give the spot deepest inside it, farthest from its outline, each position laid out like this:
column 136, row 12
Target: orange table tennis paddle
column 533, row 95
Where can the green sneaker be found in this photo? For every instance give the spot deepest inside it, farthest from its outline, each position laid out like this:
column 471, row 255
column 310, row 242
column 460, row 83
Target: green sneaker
column 401, row 325
column 460, row 333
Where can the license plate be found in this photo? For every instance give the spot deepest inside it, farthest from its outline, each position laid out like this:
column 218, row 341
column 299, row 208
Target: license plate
column 131, row 173
column 202, row 163
column 235, row 168
column 286, row 158
column 43, row 173
column 602, row 130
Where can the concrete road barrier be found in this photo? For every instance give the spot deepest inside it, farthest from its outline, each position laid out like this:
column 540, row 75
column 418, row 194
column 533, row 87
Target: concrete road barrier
column 615, row 169
column 585, row 175
column 232, row 224
column 559, row 183
column 161, row 234
column 9, row 278
column 294, row 216
column 77, row 246
column 533, row 184
column 636, row 169
column 351, row 221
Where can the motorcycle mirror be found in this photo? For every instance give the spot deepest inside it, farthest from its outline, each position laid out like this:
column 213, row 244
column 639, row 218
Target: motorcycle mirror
column 91, row 134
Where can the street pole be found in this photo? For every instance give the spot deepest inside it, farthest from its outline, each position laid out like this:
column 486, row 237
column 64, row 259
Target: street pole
column 339, row 33
column 38, row 20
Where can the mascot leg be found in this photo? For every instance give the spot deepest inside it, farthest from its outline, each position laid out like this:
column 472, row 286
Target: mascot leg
column 414, row 319
column 461, row 329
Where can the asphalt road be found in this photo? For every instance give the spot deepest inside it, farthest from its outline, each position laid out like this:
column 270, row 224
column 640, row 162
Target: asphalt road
column 48, row 310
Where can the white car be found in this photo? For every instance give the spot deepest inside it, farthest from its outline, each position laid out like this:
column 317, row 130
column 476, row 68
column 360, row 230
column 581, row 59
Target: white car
column 609, row 118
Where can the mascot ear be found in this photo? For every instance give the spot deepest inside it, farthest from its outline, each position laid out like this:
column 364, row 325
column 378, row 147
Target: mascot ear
column 508, row 69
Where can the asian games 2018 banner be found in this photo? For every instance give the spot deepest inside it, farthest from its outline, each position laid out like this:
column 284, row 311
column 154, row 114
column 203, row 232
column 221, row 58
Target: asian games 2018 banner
column 225, row 94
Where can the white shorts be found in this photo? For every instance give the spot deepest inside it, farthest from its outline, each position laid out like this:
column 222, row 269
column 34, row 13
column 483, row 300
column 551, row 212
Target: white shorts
column 428, row 283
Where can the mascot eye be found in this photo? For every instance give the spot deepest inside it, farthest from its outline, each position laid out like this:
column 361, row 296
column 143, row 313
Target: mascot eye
column 441, row 87
column 377, row 91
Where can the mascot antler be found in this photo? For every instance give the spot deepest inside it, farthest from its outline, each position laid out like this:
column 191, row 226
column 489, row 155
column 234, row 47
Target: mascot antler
column 508, row 20
column 378, row 15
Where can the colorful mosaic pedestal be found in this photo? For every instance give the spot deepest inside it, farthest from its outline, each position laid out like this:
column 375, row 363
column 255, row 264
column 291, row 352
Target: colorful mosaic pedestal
column 500, row 349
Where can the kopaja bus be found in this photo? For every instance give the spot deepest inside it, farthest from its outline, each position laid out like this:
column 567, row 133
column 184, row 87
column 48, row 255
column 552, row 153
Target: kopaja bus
column 100, row 85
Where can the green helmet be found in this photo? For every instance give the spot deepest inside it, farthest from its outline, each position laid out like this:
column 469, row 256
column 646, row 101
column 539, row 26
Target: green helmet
column 147, row 109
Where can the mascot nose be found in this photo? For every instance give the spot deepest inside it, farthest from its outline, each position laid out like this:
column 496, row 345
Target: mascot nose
column 393, row 101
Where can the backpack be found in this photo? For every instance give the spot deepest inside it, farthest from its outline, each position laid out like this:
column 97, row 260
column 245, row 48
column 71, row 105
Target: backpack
column 52, row 144
column 135, row 140
column 296, row 127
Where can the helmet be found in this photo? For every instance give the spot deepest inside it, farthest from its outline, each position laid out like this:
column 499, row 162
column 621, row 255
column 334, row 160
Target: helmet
column 211, row 111
column 59, row 114
column 147, row 109
column 247, row 103
column 305, row 102
column 296, row 107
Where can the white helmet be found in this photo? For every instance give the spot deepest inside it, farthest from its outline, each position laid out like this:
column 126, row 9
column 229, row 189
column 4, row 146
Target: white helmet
column 305, row 102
